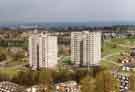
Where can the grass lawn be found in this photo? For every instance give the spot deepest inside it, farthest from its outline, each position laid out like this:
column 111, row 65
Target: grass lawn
column 114, row 58
column 10, row 72
column 112, row 46
column 109, row 48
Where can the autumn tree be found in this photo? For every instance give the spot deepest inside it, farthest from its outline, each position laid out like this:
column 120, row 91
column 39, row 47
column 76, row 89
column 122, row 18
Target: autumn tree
column 46, row 80
column 88, row 84
column 132, row 83
column 105, row 82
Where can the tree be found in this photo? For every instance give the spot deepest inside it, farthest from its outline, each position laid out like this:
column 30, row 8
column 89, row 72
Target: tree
column 46, row 80
column 4, row 77
column 99, row 82
column 28, row 77
column 17, row 56
column 79, row 74
column 63, row 75
column 45, row 77
column 67, row 61
column 88, row 84
column 2, row 56
column 114, row 45
column 132, row 83
column 105, row 82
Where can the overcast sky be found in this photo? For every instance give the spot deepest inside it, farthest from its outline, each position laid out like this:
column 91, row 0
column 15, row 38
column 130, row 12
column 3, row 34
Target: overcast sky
column 66, row 10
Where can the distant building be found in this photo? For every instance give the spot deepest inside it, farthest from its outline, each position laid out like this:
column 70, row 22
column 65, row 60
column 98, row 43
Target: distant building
column 86, row 48
column 42, row 51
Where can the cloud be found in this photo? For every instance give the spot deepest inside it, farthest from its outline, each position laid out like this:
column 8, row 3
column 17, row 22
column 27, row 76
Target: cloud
column 66, row 10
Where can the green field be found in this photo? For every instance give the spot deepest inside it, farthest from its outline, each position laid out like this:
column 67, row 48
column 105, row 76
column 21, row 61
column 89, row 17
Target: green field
column 10, row 72
column 112, row 48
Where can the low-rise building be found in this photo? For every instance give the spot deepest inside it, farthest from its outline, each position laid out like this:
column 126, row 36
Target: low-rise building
column 69, row 86
column 6, row 86
column 36, row 88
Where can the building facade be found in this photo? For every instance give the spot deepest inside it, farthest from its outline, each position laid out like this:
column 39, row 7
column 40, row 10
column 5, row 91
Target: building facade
column 86, row 48
column 33, row 51
column 43, row 51
column 76, row 38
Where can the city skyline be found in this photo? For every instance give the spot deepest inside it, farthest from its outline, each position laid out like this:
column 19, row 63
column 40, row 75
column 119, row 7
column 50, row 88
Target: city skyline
column 67, row 45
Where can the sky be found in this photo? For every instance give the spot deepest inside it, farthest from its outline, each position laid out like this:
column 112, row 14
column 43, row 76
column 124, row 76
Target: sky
column 66, row 10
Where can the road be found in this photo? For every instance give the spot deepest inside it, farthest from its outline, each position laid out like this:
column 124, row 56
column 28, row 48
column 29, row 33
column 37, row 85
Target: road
column 3, row 65
column 20, row 65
